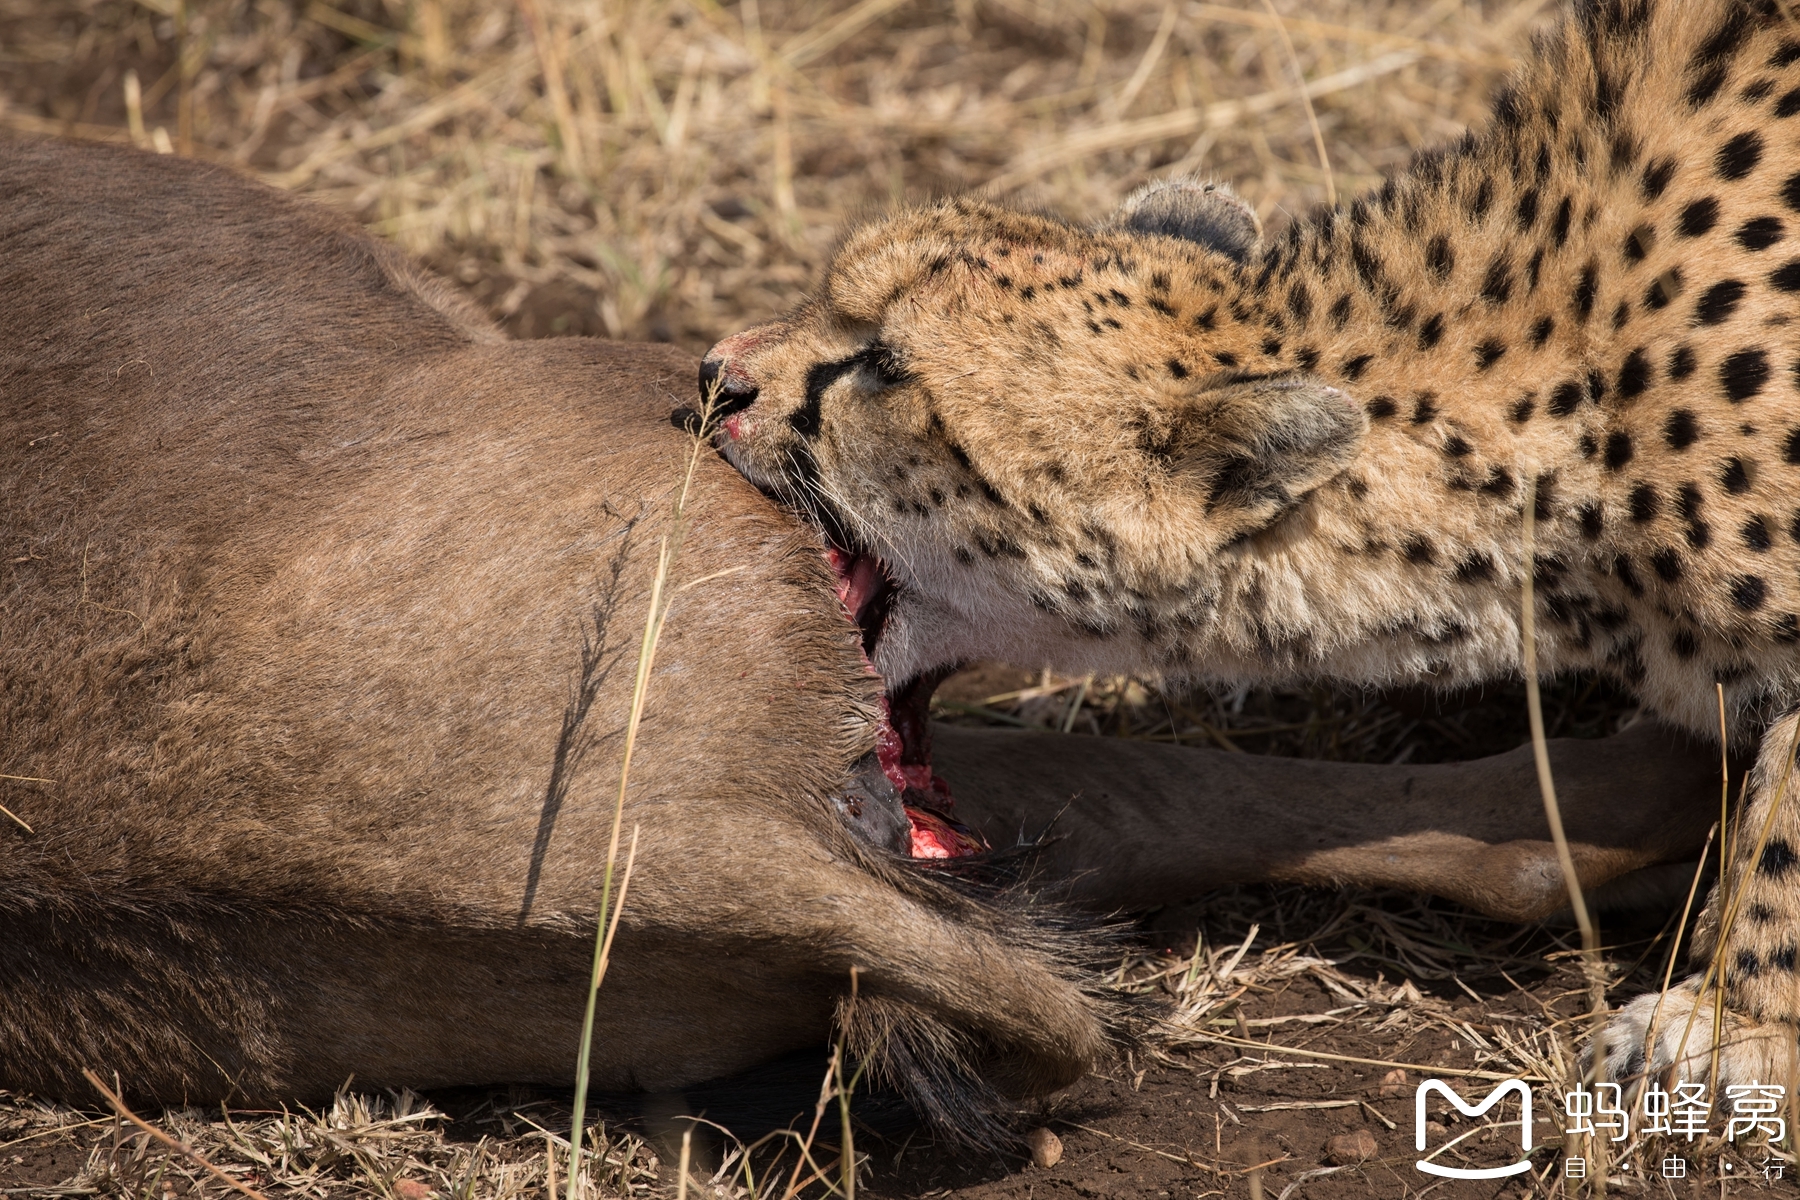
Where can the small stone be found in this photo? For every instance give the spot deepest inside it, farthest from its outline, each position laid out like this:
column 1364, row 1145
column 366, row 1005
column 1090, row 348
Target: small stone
column 1045, row 1147
column 1436, row 1128
column 412, row 1189
column 1393, row 1084
column 1347, row 1149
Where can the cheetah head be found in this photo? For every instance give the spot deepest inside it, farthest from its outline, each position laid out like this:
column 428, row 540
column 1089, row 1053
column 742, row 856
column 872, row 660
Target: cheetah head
column 1002, row 425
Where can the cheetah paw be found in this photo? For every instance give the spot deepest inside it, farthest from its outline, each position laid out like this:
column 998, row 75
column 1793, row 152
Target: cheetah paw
column 1749, row 1051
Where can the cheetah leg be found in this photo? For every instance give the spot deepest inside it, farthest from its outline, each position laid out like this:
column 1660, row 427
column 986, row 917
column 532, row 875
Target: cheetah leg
column 1749, row 934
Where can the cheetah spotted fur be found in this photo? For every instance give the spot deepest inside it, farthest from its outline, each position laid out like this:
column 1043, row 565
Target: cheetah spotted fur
column 1164, row 444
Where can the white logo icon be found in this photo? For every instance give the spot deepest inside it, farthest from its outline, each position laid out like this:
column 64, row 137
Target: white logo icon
column 1473, row 1110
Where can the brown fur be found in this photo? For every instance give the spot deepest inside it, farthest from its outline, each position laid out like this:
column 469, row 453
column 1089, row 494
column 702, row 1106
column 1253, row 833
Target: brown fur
column 1143, row 824
column 1156, row 446
column 321, row 605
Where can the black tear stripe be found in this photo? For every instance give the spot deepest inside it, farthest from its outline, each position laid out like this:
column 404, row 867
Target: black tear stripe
column 806, row 420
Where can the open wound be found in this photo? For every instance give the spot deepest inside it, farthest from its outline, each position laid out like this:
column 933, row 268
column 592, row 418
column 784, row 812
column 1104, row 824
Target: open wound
column 903, row 735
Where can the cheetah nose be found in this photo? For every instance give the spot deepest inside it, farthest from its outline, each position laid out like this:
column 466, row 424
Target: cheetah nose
column 727, row 390
column 735, row 390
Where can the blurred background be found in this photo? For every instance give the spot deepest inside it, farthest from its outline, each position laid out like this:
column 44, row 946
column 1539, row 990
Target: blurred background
column 673, row 170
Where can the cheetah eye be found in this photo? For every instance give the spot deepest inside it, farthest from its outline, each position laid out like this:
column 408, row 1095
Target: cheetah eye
column 885, row 363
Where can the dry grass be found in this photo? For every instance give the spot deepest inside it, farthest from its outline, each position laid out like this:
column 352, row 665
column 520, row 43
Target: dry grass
column 393, row 1147
column 1396, row 726
column 675, row 169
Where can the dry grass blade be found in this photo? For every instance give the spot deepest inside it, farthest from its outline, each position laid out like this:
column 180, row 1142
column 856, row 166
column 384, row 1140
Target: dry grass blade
column 806, row 47
column 1593, row 965
column 550, row 58
column 1146, row 65
column 1183, row 123
column 1351, row 33
column 608, row 929
column 1312, row 116
column 675, row 169
column 1590, row 941
column 180, row 1147
column 662, row 593
column 1435, row 1069
column 1687, row 909
column 1540, row 748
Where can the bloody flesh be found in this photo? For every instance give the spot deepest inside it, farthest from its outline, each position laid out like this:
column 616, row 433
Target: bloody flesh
column 903, row 731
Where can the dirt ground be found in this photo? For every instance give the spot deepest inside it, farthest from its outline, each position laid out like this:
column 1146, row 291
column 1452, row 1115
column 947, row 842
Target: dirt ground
column 1201, row 1123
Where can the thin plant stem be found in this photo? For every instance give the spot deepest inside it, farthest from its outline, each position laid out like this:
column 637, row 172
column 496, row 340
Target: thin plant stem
column 1724, row 784
column 1675, row 947
column 175, row 1144
column 847, row 1155
column 1718, row 1021
column 839, row 1088
column 1540, row 749
column 660, row 596
column 603, row 940
column 550, row 51
column 806, row 1159
column 1312, row 117
column 1225, row 1039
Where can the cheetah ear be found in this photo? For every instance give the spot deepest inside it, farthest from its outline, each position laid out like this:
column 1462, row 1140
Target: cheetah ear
column 1257, row 446
column 1185, row 207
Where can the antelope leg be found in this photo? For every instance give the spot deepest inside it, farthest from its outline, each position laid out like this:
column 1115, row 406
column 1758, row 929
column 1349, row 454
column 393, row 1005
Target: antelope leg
column 1137, row 824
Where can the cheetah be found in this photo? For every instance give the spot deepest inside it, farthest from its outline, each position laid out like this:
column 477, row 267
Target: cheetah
column 1168, row 444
